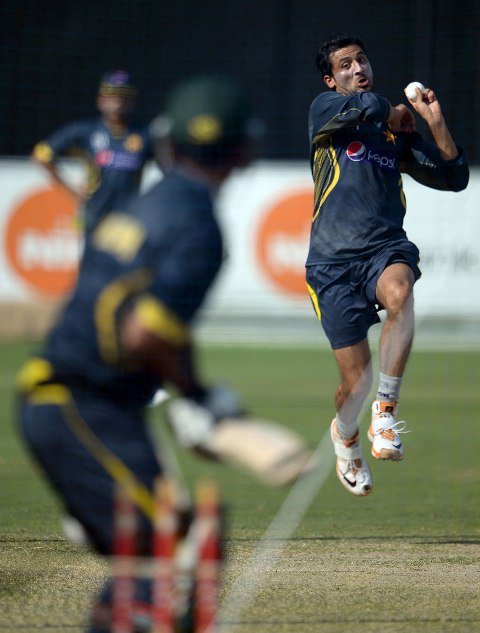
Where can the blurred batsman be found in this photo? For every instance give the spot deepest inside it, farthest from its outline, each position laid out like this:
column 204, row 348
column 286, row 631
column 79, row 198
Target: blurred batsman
column 113, row 147
column 127, row 330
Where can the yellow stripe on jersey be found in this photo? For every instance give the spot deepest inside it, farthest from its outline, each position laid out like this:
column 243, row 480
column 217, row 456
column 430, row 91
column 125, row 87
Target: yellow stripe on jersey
column 326, row 130
column 160, row 320
column 402, row 194
column 43, row 152
column 105, row 310
column 325, row 160
column 314, row 299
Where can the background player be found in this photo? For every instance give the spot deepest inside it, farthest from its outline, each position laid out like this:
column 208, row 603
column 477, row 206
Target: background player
column 126, row 329
column 114, row 147
column 360, row 259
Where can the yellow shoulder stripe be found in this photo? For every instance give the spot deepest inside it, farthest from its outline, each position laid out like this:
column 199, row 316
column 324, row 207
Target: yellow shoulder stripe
column 108, row 302
column 160, row 320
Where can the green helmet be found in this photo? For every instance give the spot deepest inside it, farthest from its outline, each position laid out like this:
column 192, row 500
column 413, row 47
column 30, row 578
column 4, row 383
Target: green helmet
column 206, row 113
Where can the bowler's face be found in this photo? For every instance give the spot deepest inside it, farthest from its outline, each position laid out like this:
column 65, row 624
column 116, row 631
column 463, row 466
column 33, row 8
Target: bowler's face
column 351, row 71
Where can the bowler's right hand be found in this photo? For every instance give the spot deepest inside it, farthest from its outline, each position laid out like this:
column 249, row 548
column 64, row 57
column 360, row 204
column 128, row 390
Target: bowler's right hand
column 401, row 119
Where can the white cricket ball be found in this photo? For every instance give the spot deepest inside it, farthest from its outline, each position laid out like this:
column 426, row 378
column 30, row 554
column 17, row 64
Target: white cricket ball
column 410, row 90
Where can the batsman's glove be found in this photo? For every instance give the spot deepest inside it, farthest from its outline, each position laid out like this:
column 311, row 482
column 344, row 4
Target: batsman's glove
column 193, row 422
column 218, row 427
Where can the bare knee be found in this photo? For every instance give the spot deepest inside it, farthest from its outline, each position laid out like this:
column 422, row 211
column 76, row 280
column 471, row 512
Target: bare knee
column 395, row 289
column 398, row 297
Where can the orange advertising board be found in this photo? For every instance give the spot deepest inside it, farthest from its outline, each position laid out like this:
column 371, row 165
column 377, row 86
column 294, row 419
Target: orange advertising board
column 282, row 242
column 42, row 244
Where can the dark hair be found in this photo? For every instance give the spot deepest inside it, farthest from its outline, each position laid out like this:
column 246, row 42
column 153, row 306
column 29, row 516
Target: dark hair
column 329, row 46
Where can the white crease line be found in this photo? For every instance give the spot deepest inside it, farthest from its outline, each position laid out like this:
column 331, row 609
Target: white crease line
column 284, row 524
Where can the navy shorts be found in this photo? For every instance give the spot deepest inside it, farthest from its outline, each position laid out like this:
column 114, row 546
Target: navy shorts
column 87, row 490
column 343, row 294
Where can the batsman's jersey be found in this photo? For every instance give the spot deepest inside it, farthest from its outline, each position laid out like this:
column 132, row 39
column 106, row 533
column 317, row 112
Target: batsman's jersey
column 356, row 161
column 114, row 161
column 162, row 254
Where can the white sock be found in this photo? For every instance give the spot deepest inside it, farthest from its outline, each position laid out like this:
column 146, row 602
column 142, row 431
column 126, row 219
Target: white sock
column 389, row 388
column 346, row 431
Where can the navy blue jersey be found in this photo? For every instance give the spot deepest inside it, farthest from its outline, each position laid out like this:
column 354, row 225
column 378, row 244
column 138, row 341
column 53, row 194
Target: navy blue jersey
column 165, row 251
column 114, row 161
column 356, row 161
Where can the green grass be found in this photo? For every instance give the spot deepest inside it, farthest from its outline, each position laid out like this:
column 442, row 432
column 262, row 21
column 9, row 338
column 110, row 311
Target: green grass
column 405, row 559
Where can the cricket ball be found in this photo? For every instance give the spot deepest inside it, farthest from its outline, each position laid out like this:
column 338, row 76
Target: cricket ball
column 410, row 90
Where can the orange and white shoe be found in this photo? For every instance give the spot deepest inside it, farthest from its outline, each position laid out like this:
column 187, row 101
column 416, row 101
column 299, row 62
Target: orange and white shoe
column 384, row 431
column 352, row 469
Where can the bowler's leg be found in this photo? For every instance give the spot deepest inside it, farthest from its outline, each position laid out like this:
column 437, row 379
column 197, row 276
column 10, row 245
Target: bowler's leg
column 395, row 293
column 355, row 380
column 354, row 365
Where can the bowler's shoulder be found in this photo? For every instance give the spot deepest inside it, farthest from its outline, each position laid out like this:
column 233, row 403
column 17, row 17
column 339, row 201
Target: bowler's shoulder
column 73, row 130
column 325, row 97
column 330, row 100
column 86, row 126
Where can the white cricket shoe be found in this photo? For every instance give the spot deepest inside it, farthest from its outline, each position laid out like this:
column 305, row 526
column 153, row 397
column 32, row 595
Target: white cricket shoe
column 352, row 469
column 384, row 431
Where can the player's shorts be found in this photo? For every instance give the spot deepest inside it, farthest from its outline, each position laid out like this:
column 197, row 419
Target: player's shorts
column 60, row 437
column 343, row 294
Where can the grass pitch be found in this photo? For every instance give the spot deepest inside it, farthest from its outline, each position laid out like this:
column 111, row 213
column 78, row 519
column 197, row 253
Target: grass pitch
column 406, row 559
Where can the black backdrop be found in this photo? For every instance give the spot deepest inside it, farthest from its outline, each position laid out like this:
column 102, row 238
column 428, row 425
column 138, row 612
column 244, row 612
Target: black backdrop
column 52, row 53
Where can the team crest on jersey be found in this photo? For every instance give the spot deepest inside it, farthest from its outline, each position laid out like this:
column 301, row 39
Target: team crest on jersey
column 99, row 141
column 133, row 143
column 356, row 151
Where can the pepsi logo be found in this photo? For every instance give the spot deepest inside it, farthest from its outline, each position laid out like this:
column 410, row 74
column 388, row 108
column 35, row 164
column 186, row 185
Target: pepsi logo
column 356, row 151
column 104, row 158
